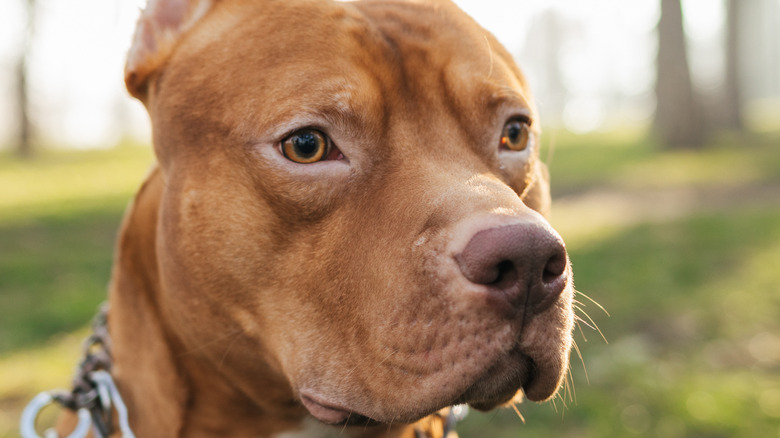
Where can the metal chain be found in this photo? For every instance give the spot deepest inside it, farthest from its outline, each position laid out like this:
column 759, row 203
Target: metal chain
column 454, row 415
column 84, row 392
column 93, row 395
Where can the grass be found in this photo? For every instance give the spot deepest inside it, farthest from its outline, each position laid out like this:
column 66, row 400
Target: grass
column 627, row 160
column 694, row 331
column 58, row 219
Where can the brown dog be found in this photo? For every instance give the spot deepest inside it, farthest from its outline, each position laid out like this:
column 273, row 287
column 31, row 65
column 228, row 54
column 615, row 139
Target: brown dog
column 345, row 224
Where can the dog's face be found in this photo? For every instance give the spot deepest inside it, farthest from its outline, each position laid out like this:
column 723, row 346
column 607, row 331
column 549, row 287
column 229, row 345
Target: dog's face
column 336, row 175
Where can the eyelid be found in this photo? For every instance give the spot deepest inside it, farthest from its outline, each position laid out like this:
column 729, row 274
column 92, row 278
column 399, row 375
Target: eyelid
column 523, row 118
column 300, row 129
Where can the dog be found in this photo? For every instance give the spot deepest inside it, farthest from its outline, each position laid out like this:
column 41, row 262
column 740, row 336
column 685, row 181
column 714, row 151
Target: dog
column 345, row 229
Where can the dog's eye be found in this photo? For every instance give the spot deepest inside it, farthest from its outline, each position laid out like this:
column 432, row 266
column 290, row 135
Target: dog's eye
column 515, row 135
column 306, row 146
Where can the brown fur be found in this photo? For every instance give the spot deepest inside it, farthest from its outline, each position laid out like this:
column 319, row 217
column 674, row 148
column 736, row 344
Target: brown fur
column 243, row 281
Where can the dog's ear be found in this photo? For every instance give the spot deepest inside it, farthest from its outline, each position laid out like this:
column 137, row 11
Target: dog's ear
column 161, row 24
column 537, row 193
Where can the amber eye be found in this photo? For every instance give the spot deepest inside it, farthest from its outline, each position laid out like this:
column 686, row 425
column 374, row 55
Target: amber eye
column 515, row 135
column 306, row 146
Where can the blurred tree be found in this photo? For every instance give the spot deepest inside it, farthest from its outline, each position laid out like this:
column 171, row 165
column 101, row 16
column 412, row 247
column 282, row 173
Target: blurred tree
column 678, row 118
column 553, row 31
column 732, row 105
column 24, row 141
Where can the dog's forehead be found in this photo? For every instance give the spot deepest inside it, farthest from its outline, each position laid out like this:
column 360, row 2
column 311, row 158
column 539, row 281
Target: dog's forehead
column 410, row 41
column 344, row 61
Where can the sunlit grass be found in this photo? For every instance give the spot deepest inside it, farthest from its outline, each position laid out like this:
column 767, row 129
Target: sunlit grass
column 62, row 181
column 627, row 160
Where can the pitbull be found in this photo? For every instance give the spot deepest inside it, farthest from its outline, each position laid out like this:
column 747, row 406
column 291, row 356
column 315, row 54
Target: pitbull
column 345, row 232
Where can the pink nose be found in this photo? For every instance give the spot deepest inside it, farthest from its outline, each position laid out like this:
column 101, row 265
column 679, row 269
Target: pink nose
column 523, row 265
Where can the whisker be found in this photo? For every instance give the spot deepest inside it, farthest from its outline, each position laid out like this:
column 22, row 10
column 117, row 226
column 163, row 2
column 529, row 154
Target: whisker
column 555, row 405
column 569, row 385
column 594, row 302
column 584, row 368
column 561, row 395
column 204, row 345
column 585, row 323
column 573, row 395
column 517, row 411
column 595, row 326
column 391, row 354
column 582, row 333
column 344, row 427
column 227, row 350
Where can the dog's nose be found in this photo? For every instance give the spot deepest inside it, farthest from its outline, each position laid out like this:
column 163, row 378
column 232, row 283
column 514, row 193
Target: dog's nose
column 523, row 265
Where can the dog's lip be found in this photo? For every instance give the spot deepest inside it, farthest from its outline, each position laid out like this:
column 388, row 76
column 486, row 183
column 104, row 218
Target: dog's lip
column 541, row 388
column 528, row 380
column 333, row 413
column 326, row 412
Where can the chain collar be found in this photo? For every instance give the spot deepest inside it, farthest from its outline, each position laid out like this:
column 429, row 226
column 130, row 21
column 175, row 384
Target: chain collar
column 93, row 396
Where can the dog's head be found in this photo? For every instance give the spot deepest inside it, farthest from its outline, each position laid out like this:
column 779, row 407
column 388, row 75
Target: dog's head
column 354, row 203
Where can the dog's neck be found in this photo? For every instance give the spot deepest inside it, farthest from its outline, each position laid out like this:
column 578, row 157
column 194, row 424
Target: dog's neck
column 169, row 392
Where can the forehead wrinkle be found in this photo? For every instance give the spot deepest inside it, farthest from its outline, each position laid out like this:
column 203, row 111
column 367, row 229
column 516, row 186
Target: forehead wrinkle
column 343, row 106
column 338, row 103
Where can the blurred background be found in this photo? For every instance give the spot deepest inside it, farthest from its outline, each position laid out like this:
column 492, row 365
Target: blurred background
column 662, row 133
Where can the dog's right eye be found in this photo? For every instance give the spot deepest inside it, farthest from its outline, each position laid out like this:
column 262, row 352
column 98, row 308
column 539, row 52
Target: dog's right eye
column 307, row 146
column 515, row 135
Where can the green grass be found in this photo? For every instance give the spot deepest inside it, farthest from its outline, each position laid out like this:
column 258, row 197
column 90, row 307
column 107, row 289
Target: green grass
column 58, row 220
column 693, row 297
column 628, row 160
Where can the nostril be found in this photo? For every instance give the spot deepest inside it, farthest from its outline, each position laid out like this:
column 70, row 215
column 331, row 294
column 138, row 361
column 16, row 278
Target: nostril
column 506, row 275
column 554, row 268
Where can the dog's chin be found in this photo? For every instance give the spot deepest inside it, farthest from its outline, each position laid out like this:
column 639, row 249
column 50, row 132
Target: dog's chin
column 501, row 383
column 511, row 379
column 508, row 379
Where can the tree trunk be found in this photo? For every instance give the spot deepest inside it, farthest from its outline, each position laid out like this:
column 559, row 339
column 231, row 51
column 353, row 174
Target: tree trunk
column 678, row 117
column 732, row 105
column 24, row 141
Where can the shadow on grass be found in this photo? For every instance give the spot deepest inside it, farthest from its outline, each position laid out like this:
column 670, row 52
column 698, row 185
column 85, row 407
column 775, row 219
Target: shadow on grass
column 54, row 270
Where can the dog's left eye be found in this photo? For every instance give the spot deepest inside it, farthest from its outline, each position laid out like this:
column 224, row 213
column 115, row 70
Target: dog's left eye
column 515, row 135
column 308, row 146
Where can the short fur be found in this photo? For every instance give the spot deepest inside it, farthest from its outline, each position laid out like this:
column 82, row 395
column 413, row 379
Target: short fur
column 251, row 293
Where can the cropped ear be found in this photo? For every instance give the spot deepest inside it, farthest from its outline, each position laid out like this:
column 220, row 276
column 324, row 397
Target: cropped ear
column 537, row 193
column 159, row 28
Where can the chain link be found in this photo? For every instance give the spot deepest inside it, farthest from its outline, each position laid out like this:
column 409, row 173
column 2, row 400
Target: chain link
column 93, row 395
